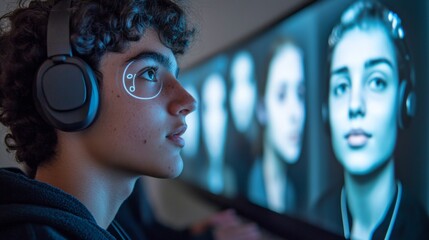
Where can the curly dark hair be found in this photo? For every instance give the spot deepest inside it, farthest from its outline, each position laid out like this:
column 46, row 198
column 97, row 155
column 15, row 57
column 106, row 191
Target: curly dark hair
column 96, row 27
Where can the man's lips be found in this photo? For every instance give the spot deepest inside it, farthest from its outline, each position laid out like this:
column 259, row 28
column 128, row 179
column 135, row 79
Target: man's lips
column 357, row 138
column 176, row 136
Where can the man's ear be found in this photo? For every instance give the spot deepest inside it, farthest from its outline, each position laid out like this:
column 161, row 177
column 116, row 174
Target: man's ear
column 261, row 112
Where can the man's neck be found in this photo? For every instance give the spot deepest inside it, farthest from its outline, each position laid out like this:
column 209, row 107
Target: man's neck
column 101, row 189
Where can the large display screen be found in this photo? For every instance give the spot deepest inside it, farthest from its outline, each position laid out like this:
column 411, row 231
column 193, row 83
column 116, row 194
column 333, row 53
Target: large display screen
column 322, row 117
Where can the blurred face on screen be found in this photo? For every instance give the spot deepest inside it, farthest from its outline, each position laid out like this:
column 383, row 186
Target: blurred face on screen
column 284, row 103
column 192, row 133
column 243, row 91
column 362, row 99
column 214, row 115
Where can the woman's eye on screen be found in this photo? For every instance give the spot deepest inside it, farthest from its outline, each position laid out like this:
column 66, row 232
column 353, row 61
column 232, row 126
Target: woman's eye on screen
column 377, row 83
column 340, row 88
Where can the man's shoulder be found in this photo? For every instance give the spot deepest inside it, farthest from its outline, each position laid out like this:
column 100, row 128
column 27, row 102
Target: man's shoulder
column 44, row 222
column 35, row 210
column 31, row 231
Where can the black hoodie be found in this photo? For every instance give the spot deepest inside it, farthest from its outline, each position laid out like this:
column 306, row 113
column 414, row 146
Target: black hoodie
column 30, row 209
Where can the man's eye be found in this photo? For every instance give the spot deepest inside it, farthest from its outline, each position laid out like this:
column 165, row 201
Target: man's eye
column 149, row 75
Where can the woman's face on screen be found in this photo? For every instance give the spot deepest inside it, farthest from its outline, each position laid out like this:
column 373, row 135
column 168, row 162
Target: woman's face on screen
column 285, row 103
column 214, row 114
column 243, row 91
column 192, row 133
column 362, row 99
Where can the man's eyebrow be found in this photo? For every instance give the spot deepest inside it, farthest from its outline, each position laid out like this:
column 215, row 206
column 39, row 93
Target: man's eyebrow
column 158, row 57
column 372, row 62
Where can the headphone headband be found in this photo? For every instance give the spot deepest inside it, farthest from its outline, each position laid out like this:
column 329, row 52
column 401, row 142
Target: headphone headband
column 66, row 89
column 58, row 42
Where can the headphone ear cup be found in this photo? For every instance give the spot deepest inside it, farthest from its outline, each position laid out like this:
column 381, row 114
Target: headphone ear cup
column 66, row 93
column 406, row 104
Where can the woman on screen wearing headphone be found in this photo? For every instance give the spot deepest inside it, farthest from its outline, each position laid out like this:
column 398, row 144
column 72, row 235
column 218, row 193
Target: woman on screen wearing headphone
column 214, row 128
column 282, row 115
column 370, row 94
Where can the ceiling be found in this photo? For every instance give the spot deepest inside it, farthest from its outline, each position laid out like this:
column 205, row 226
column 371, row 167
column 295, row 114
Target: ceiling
column 220, row 22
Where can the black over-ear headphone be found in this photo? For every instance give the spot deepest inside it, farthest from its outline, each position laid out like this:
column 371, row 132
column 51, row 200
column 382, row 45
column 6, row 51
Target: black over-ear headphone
column 406, row 94
column 66, row 89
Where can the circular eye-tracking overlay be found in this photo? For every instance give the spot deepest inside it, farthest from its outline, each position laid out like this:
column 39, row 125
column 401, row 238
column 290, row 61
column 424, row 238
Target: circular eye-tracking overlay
column 137, row 84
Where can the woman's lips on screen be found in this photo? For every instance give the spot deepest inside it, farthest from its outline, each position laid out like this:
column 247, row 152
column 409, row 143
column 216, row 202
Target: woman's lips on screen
column 357, row 138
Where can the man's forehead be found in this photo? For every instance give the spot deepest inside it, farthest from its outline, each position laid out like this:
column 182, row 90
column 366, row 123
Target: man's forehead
column 138, row 50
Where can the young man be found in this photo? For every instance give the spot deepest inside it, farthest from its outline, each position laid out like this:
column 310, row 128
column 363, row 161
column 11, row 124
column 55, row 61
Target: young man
column 90, row 95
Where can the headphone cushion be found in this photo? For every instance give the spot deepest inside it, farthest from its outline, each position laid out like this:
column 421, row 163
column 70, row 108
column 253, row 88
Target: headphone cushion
column 66, row 93
column 406, row 104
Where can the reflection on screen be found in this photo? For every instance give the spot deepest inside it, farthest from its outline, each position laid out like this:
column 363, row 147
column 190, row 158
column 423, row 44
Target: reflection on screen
column 282, row 115
column 315, row 118
column 214, row 119
column 191, row 136
column 243, row 90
